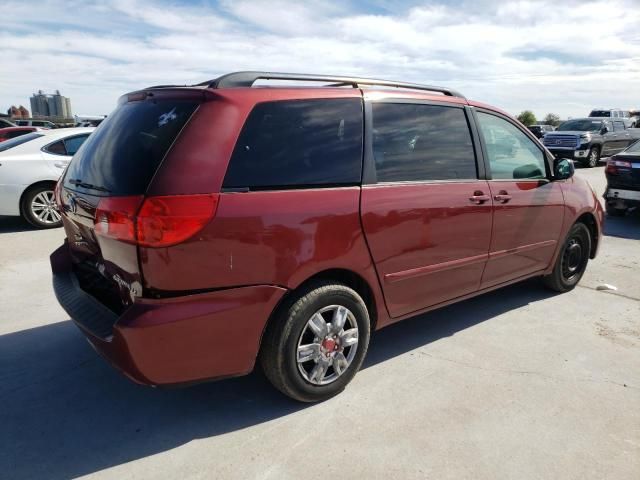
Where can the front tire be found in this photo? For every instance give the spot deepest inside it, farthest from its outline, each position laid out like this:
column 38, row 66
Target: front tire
column 39, row 207
column 594, row 157
column 317, row 342
column 572, row 260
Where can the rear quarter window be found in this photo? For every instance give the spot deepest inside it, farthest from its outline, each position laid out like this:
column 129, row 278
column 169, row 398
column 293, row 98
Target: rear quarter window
column 297, row 143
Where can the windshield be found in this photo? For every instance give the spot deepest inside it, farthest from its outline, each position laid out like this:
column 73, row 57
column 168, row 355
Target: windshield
column 581, row 125
column 14, row 142
column 600, row 113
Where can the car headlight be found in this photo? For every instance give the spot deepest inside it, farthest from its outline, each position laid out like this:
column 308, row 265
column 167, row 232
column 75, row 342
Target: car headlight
column 585, row 138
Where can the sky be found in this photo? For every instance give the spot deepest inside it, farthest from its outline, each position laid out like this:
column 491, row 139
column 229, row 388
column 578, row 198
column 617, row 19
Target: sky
column 559, row 56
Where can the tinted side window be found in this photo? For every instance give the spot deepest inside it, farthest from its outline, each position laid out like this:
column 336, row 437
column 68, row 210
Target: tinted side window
column 512, row 155
column 73, row 144
column 299, row 143
column 57, row 148
column 421, row 142
column 618, row 126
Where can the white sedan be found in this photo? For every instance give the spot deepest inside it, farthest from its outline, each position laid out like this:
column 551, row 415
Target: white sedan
column 30, row 166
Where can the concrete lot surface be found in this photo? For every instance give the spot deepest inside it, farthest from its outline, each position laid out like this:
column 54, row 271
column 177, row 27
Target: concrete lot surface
column 519, row 383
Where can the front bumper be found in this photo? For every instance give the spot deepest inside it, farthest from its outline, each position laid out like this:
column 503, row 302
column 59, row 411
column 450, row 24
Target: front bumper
column 570, row 153
column 175, row 340
column 621, row 198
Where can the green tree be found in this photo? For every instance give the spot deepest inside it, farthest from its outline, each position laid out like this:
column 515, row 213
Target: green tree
column 527, row 118
column 552, row 119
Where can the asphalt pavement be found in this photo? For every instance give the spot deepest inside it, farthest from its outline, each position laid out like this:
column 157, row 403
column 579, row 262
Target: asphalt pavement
column 518, row 383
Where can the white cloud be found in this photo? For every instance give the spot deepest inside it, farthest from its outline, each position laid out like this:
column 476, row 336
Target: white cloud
column 543, row 55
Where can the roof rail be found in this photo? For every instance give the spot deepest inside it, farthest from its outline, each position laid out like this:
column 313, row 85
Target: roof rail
column 247, row 79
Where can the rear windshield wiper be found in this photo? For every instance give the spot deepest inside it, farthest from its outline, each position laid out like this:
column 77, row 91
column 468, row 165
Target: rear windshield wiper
column 80, row 183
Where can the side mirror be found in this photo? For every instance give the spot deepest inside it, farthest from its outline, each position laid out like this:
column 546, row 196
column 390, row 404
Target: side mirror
column 604, row 130
column 563, row 169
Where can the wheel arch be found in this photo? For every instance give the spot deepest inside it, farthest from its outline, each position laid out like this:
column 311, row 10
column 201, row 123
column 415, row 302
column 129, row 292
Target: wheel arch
column 40, row 183
column 343, row 276
column 589, row 220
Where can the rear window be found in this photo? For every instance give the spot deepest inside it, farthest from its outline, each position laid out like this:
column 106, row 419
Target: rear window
column 17, row 133
column 421, row 143
column 122, row 155
column 299, row 143
column 14, row 142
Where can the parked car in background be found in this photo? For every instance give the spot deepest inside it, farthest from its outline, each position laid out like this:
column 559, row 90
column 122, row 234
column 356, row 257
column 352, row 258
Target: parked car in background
column 30, row 166
column 35, row 123
column 635, row 118
column 588, row 139
column 623, row 181
column 540, row 130
column 213, row 225
column 88, row 120
column 12, row 132
column 614, row 113
column 5, row 123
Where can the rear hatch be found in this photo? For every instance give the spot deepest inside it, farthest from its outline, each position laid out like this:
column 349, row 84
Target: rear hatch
column 623, row 169
column 103, row 191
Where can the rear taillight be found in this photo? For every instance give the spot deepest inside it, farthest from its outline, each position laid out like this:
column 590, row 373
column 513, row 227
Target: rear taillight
column 169, row 220
column 154, row 221
column 116, row 217
column 613, row 164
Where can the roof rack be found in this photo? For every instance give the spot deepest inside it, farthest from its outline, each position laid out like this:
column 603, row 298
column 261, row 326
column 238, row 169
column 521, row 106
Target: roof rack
column 247, row 79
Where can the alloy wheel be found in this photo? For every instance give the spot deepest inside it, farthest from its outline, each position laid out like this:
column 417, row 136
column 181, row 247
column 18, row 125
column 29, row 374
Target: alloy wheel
column 327, row 345
column 43, row 207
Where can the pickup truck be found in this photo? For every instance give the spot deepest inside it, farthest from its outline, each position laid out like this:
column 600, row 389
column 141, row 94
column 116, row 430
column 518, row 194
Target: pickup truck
column 588, row 139
column 623, row 181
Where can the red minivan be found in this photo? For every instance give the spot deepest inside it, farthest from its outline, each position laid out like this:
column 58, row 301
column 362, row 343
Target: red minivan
column 214, row 225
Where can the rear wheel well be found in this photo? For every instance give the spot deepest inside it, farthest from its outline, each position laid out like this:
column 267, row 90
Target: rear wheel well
column 44, row 183
column 337, row 275
column 589, row 220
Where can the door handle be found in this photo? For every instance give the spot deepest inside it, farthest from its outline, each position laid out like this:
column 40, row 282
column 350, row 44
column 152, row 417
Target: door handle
column 502, row 196
column 479, row 197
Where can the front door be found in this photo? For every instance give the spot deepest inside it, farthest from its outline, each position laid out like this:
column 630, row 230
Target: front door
column 425, row 214
column 527, row 207
column 620, row 137
column 610, row 139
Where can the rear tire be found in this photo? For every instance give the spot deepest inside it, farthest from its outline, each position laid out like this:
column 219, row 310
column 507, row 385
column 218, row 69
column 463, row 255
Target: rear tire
column 593, row 158
column 572, row 260
column 316, row 342
column 39, row 208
